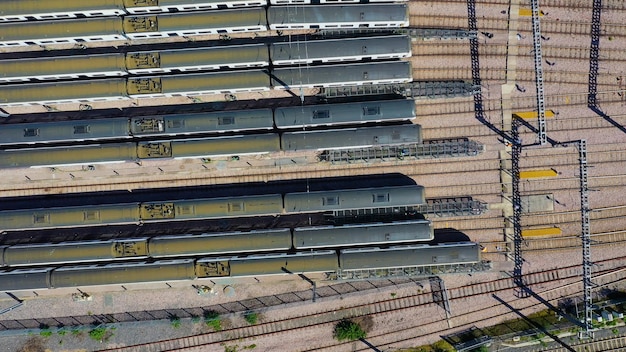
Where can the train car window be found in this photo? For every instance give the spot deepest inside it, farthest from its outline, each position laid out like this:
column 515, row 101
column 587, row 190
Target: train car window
column 31, row 132
column 41, row 218
column 236, row 207
column 81, row 129
column 321, row 114
column 371, row 110
column 226, row 120
column 380, row 198
column 330, row 201
column 91, row 215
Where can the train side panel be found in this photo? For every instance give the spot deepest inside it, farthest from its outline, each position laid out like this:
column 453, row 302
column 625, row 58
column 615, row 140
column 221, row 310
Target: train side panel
column 78, row 155
column 347, row 113
column 362, row 234
column 123, row 273
column 408, row 256
column 342, row 75
column 228, row 207
column 338, row 16
column 337, row 50
column 349, row 138
column 220, row 243
column 69, row 216
column 365, row 198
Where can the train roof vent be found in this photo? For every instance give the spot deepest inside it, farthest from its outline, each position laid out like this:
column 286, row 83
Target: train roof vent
column 91, row 215
column 321, row 114
column 236, row 207
column 380, row 198
column 330, row 201
column 81, row 129
column 31, row 132
column 226, row 120
column 186, row 209
column 371, row 110
column 41, row 218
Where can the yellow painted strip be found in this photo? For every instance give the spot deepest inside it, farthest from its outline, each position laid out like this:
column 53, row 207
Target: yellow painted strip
column 527, row 115
column 547, row 231
column 538, row 173
column 528, row 12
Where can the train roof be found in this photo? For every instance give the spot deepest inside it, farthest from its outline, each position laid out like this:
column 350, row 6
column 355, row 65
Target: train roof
column 345, row 49
column 61, row 31
column 18, row 10
column 350, row 138
column 341, row 75
column 27, row 133
column 60, row 92
column 281, row 264
column 364, row 198
column 407, row 256
column 338, row 16
column 363, row 234
column 220, row 243
column 62, row 67
column 24, row 279
column 213, row 58
column 346, row 113
column 76, row 155
column 191, row 23
column 226, row 146
column 142, row 6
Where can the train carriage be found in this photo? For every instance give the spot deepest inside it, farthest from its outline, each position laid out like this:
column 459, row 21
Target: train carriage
column 74, row 252
column 62, row 67
column 409, row 256
column 152, row 6
column 25, row 279
column 196, row 84
column 196, row 59
column 195, row 23
column 220, row 243
column 123, row 273
column 347, row 113
column 362, row 234
column 337, row 50
column 206, row 122
column 226, row 146
column 341, row 75
column 61, row 32
column 351, row 138
column 365, row 198
column 75, row 155
column 64, row 131
column 277, row 264
column 21, row 10
column 69, row 217
column 338, row 16
column 270, row 204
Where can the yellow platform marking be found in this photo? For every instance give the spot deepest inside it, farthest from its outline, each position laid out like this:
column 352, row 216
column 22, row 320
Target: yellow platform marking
column 538, row 173
column 527, row 115
column 528, row 12
column 546, row 231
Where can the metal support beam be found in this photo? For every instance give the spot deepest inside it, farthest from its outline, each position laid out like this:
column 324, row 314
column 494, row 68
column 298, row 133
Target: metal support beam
column 516, row 151
column 541, row 109
column 586, row 238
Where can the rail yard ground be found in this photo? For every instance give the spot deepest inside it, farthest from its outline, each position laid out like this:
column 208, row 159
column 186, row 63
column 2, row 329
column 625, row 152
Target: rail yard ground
column 397, row 313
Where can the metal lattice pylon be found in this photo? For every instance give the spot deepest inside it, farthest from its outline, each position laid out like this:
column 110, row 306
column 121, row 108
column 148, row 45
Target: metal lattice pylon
column 541, row 109
column 586, row 237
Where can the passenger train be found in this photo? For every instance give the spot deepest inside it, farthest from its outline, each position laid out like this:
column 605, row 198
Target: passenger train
column 211, row 208
column 303, row 116
column 25, row 10
column 343, row 261
column 296, row 52
column 210, row 147
column 95, row 29
column 278, row 240
column 254, row 80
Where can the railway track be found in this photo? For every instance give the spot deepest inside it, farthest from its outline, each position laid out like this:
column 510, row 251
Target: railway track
column 568, row 4
column 326, row 319
column 559, row 243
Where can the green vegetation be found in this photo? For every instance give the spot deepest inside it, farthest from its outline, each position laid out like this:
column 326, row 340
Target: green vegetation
column 62, row 332
column 251, row 317
column 101, row 333
column 349, row 330
column 175, row 321
column 235, row 348
column 439, row 346
column 212, row 319
column 45, row 333
column 195, row 319
column 76, row 332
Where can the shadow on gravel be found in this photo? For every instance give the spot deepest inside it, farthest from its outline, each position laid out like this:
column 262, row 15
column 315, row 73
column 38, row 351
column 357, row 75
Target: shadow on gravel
column 371, row 347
